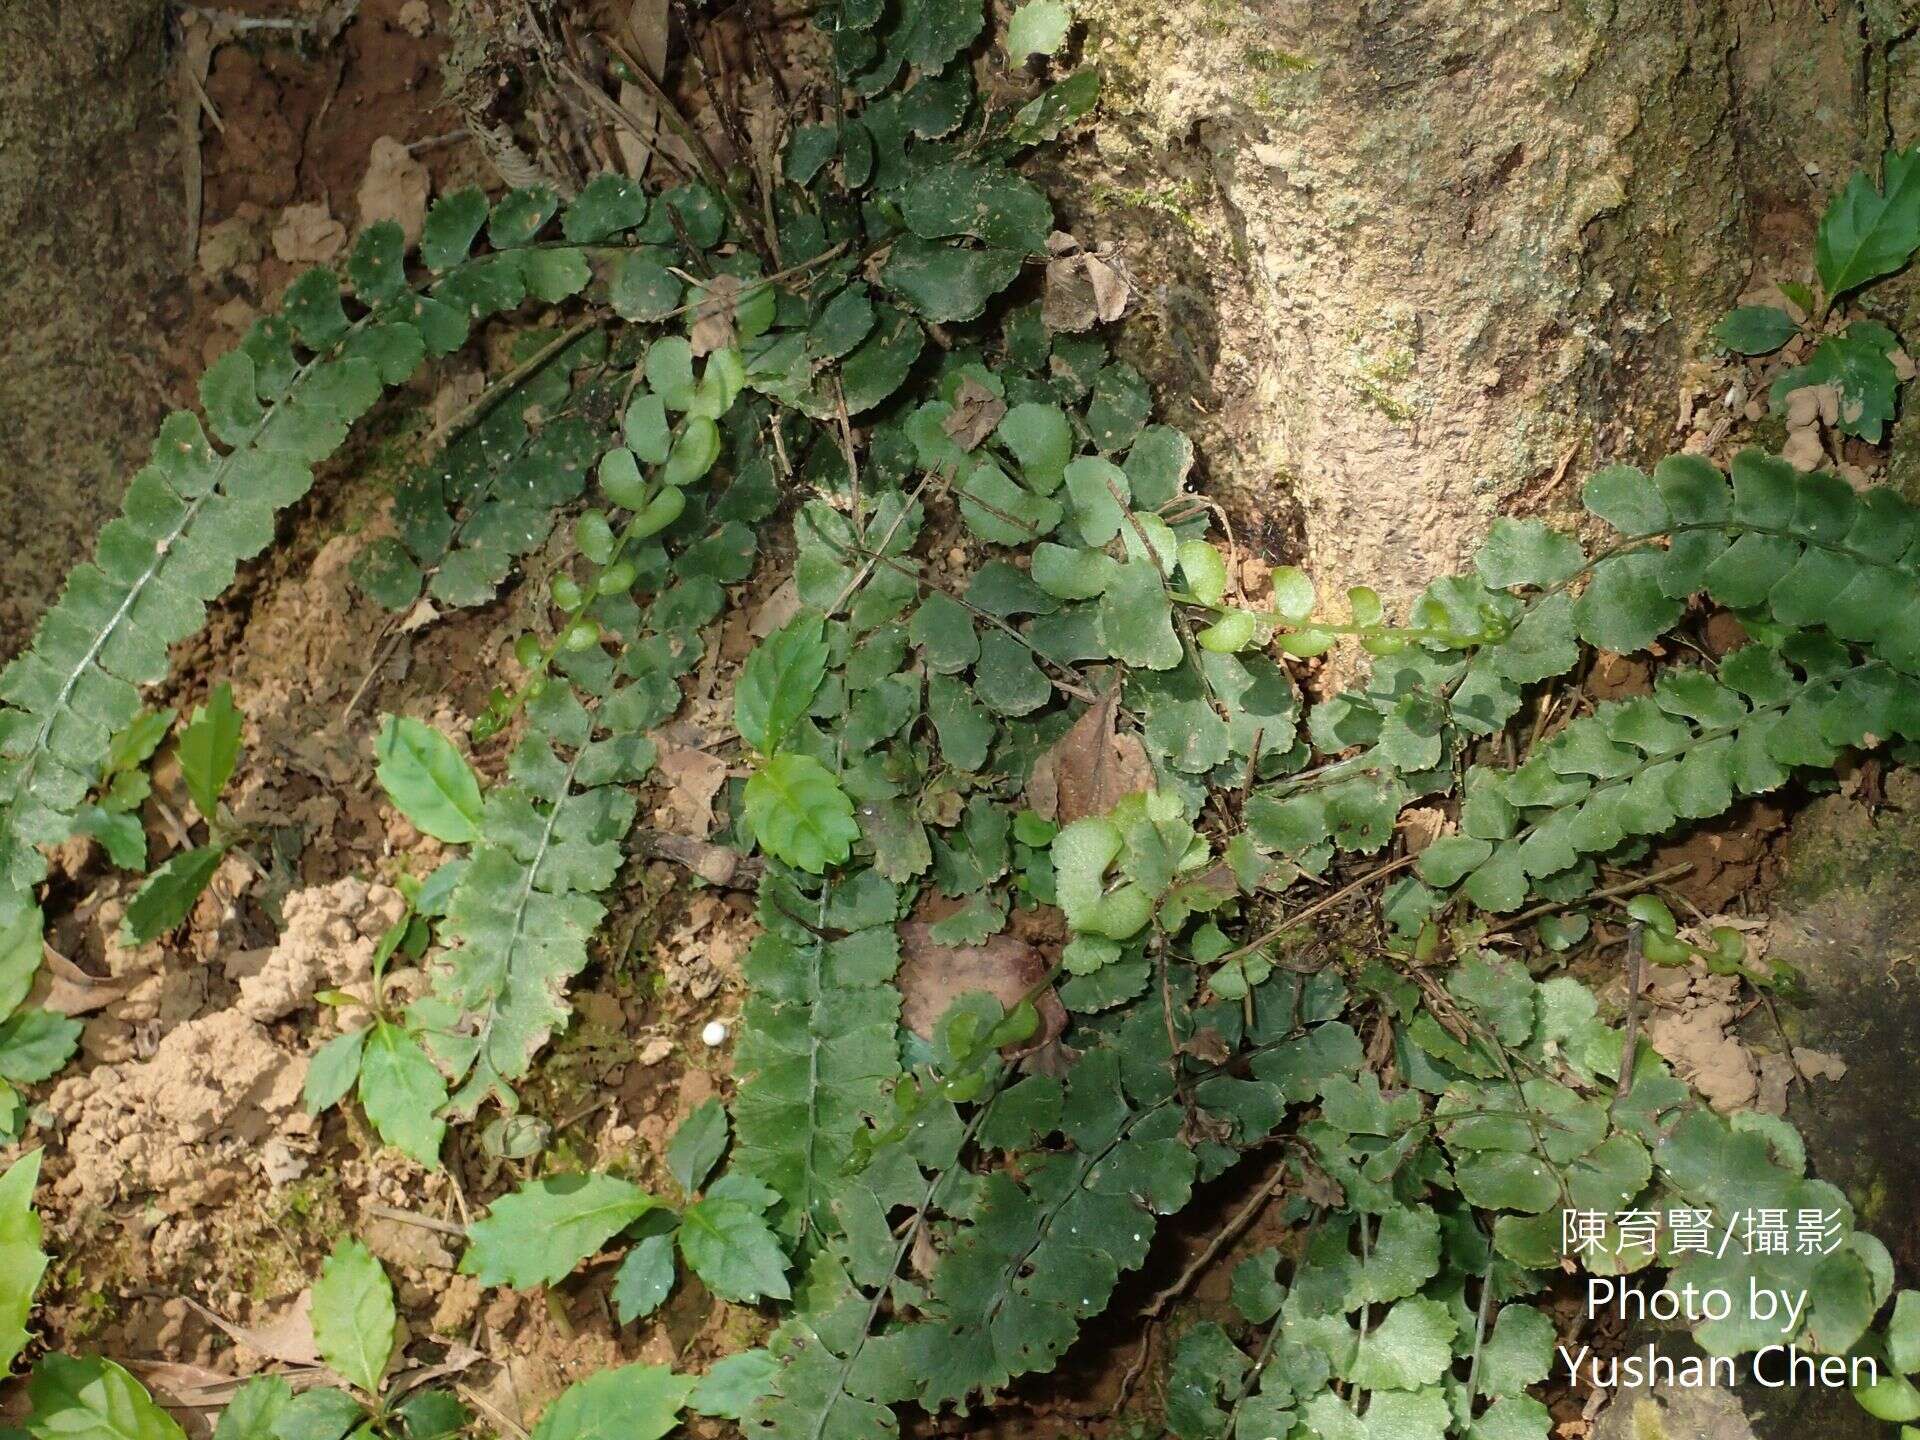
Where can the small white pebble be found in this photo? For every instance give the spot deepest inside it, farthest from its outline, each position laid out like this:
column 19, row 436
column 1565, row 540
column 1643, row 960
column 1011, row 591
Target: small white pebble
column 715, row 1034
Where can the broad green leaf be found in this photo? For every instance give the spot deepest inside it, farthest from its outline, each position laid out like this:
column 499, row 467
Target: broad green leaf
column 353, row 1315
column 728, row 1391
column 428, row 779
column 324, row 1413
column 1755, row 329
column 608, row 205
column 630, row 1402
column 988, row 202
column 732, row 1248
column 21, row 929
column 1527, row 552
column 1870, row 230
column 779, row 681
column 452, row 222
column 1293, row 594
column 35, row 1045
column 254, row 1409
column 1857, row 363
column 208, row 748
column 536, row 1235
column 167, row 896
column 1039, row 437
column 1205, row 570
column 332, row 1071
column 644, row 1278
column 1136, row 617
column 93, row 1399
column 799, row 813
column 1903, row 1331
column 403, row 1091
column 22, row 1262
column 697, row 1145
column 1518, row 1352
column 1412, row 1347
column 1038, row 27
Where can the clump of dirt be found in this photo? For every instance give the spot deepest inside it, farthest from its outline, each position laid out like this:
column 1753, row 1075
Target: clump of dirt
column 188, row 1126
column 329, row 940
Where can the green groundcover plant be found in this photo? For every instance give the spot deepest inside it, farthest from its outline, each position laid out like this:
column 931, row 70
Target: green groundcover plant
column 1095, row 717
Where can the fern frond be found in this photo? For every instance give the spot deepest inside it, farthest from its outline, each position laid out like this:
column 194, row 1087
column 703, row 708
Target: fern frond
column 1638, row 767
column 524, row 909
column 817, row 1050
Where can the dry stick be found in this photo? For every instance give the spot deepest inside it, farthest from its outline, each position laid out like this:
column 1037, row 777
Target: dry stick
column 1324, row 903
column 846, row 592
column 493, row 1412
column 1630, row 1038
column 1222, row 1238
column 1625, row 887
column 1480, row 1330
column 627, row 121
column 408, row 1217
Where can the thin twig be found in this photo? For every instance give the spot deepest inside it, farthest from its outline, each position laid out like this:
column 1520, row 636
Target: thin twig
column 1326, row 902
column 1625, row 887
column 408, row 1217
column 1222, row 1238
column 1630, row 1038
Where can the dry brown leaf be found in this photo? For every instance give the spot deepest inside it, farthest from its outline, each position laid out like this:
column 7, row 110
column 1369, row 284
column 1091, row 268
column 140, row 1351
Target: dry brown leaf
column 308, row 235
column 66, row 989
column 1090, row 769
column 776, row 610
column 976, row 413
column 394, row 188
column 932, row 976
column 288, row 1338
column 1111, row 283
column 1068, row 302
column 692, row 778
column 713, row 316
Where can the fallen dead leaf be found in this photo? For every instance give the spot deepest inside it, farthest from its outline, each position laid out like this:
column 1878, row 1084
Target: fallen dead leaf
column 394, row 188
column 1090, row 769
column 692, row 778
column 713, row 316
column 932, row 976
column 976, row 412
column 288, row 1338
column 308, row 235
column 776, row 610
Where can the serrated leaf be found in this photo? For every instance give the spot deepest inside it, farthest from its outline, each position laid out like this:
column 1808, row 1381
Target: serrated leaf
column 697, row 1145
column 799, row 813
column 428, row 779
column 730, row 1389
column 403, row 1092
column 644, row 1279
column 1870, row 230
column 779, row 681
column 254, row 1409
column 733, row 1250
column 35, row 1045
column 209, row 747
column 353, row 1315
column 22, row 1262
column 537, row 1234
column 1527, row 552
column 630, row 1402
column 166, row 898
column 93, row 1399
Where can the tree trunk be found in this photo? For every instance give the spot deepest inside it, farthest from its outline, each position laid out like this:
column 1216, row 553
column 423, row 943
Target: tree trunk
column 93, row 239
column 1431, row 261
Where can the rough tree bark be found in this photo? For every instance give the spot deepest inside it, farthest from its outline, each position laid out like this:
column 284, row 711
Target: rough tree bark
column 89, row 215
column 1427, row 261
